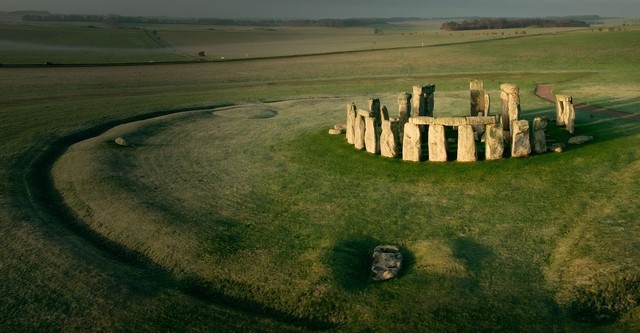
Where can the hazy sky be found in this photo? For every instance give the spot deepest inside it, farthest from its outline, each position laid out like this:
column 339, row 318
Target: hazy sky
column 331, row 8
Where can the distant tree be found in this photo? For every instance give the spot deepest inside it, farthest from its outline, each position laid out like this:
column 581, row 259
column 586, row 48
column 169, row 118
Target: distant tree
column 201, row 54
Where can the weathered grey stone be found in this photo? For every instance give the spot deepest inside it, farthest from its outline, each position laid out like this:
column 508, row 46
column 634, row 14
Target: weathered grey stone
column 510, row 88
column 561, row 102
column 121, row 142
column 476, row 84
column 510, row 98
column 404, row 107
column 476, row 89
column 387, row 262
column 565, row 112
column 520, row 144
column 487, row 104
column 358, row 133
column 557, row 147
column 481, row 120
column 389, row 138
column 351, row 121
column 334, row 131
column 371, row 135
column 466, row 144
column 452, row 121
column 340, row 127
column 365, row 113
column 422, row 100
column 494, row 142
column 570, row 118
column 580, row 139
column 437, row 144
column 404, row 111
column 539, row 136
column 411, row 144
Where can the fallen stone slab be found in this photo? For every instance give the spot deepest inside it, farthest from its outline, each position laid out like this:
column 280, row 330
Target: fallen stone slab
column 387, row 262
column 121, row 142
column 580, row 139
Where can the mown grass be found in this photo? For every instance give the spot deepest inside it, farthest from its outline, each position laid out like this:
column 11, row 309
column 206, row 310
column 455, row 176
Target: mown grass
column 287, row 213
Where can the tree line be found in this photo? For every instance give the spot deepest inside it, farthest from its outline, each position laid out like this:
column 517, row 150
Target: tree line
column 505, row 23
column 111, row 19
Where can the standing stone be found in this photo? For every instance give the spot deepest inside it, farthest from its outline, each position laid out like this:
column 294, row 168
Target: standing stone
column 358, row 133
column 560, row 102
column 351, row 121
column 422, row 100
column 411, row 144
column 437, row 144
column 570, row 118
column 430, row 89
column 476, row 88
column 466, row 144
column 374, row 107
column 510, row 98
column 371, row 135
column 520, row 144
column 487, row 104
column 539, row 137
column 565, row 112
column 404, row 112
column 389, row 138
column 404, row 107
column 494, row 142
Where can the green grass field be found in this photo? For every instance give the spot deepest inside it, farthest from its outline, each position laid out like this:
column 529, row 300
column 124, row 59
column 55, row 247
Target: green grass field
column 241, row 214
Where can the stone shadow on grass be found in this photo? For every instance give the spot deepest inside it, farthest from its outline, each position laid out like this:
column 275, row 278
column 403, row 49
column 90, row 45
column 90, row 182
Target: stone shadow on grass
column 351, row 260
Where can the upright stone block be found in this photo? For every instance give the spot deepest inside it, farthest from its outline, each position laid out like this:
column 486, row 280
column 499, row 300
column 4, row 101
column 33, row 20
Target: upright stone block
column 351, row 121
column 411, row 144
column 358, row 133
column 404, row 111
column 404, row 107
column 466, row 144
column 371, row 135
column 510, row 98
column 477, row 97
column 539, row 136
column 494, row 142
column 487, row 104
column 422, row 100
column 565, row 112
column 390, row 138
column 561, row 107
column 570, row 118
column 520, row 144
column 374, row 107
column 437, row 144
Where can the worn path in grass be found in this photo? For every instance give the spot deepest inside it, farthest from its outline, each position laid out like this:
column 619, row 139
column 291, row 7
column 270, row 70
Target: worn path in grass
column 545, row 91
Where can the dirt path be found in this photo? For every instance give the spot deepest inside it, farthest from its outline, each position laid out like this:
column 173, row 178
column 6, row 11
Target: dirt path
column 544, row 91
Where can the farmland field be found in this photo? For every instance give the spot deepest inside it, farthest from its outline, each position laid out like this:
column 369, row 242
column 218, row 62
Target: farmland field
column 233, row 210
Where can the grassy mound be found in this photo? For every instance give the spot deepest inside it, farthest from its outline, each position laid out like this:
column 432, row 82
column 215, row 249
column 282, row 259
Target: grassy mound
column 256, row 204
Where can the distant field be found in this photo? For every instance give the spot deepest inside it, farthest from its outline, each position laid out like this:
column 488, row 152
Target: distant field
column 61, row 44
column 250, row 217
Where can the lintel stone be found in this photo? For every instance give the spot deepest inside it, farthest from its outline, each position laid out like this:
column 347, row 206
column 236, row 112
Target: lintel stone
column 452, row 121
